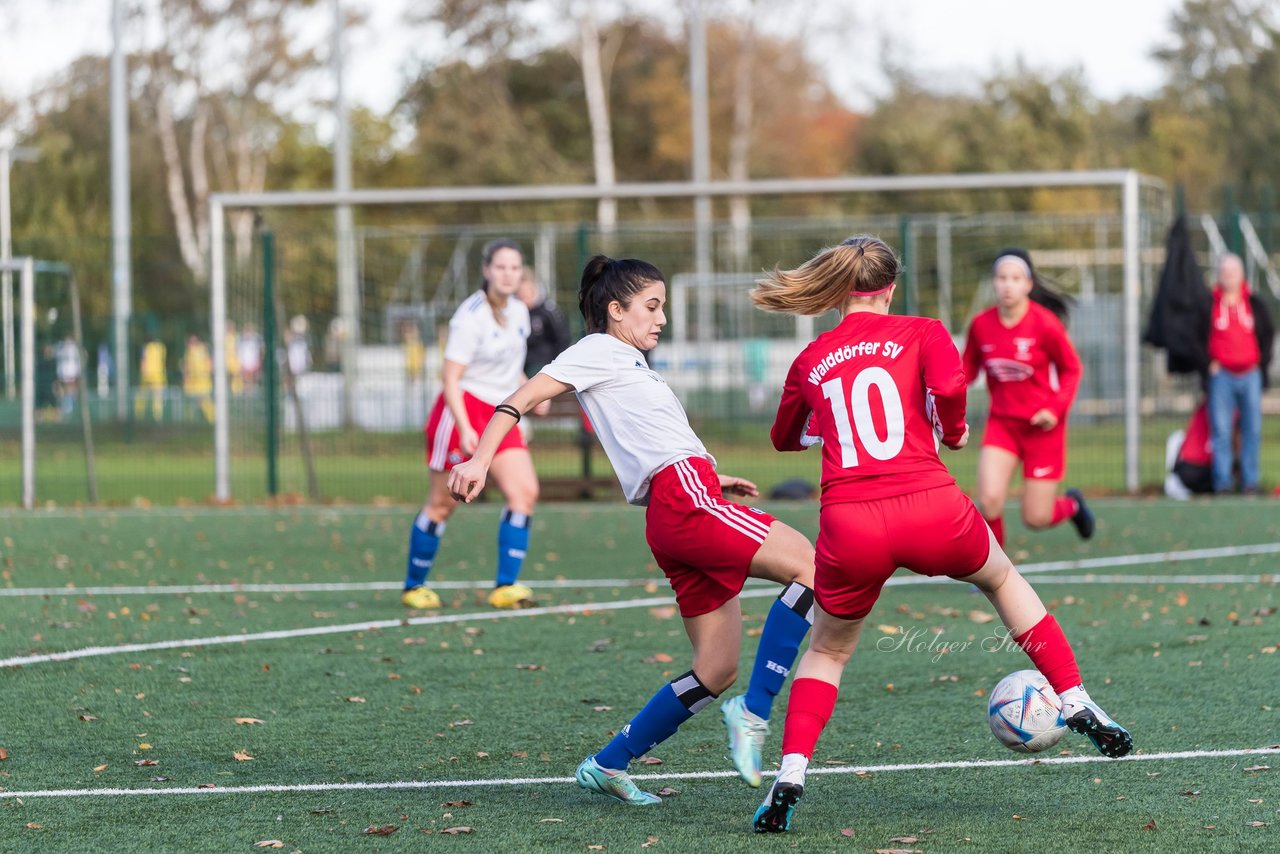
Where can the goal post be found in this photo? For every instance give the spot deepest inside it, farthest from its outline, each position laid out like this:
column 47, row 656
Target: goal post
column 1129, row 184
column 26, row 270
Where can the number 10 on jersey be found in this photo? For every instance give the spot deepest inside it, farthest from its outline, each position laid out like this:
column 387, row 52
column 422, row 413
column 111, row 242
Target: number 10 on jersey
column 858, row 400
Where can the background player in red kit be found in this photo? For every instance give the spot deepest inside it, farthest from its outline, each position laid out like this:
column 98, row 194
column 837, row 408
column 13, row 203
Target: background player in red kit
column 1032, row 374
column 881, row 391
column 706, row 546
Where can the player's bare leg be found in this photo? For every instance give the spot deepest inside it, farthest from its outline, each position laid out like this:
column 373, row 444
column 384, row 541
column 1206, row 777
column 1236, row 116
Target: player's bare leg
column 1039, row 635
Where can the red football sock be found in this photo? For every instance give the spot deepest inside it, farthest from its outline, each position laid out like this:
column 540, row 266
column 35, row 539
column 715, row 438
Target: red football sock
column 997, row 528
column 1063, row 509
column 1047, row 647
column 810, row 707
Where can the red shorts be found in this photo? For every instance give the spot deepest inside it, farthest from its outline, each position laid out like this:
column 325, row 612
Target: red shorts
column 703, row 543
column 932, row 532
column 1043, row 452
column 443, row 451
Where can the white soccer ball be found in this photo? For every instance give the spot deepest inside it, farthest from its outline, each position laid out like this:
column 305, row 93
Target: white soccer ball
column 1024, row 713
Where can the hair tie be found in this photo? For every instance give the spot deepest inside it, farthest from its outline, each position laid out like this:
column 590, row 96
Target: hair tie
column 508, row 409
column 873, row 293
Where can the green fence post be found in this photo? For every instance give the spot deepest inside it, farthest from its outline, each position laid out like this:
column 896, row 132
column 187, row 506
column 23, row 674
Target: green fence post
column 904, row 254
column 270, row 368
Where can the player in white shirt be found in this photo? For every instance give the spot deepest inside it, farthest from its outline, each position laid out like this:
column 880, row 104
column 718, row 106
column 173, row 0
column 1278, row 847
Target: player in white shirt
column 483, row 364
column 706, row 546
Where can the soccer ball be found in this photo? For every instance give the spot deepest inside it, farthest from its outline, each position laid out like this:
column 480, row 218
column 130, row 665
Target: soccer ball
column 1024, row 713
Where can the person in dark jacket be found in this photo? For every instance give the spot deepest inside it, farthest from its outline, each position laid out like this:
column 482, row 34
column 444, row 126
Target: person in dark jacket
column 548, row 329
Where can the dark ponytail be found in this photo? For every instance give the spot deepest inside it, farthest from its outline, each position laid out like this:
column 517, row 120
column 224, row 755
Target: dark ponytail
column 1041, row 290
column 605, row 280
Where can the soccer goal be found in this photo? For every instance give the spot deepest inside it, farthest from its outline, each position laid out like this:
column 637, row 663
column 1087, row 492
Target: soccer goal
column 365, row 358
column 47, row 363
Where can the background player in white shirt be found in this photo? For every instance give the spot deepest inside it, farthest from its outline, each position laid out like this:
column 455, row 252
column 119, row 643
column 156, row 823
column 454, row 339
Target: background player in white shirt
column 483, row 363
column 706, row 546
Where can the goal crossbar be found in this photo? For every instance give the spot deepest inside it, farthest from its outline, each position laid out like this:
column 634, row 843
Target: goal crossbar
column 1128, row 181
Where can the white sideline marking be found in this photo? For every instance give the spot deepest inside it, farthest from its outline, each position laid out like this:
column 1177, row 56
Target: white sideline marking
column 761, row 592
column 683, row 775
column 356, row 586
column 217, row 640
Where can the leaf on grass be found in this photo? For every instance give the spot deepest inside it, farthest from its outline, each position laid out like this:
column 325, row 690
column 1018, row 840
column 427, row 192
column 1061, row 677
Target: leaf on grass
column 551, row 820
column 1258, row 768
column 384, row 830
column 894, row 851
column 602, row 708
column 649, row 760
column 207, row 786
column 1151, row 825
column 144, row 746
column 1191, row 793
column 87, row 718
column 456, row 830
column 1258, row 823
column 145, row 762
column 31, row 825
column 481, row 754
column 161, row 779
column 1255, row 800
column 659, row 658
column 451, row 804
column 242, row 756
column 269, row 843
column 463, row 722
column 4, row 754
column 906, row 840
column 886, row 629
column 595, row 847
column 981, row 616
column 1181, row 599
column 650, row 842
column 530, row 667
column 102, row 767
column 249, row 721
column 847, row 831
column 356, row 700
column 667, row 792
column 323, row 812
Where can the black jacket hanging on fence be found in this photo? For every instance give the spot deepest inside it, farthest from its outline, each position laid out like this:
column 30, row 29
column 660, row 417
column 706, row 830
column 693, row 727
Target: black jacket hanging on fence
column 1179, row 321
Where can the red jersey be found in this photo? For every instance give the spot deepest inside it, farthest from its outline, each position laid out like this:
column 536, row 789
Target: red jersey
column 1232, row 341
column 881, row 389
column 1030, row 366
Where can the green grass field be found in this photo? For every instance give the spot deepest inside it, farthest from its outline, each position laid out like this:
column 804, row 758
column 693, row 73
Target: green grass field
column 471, row 718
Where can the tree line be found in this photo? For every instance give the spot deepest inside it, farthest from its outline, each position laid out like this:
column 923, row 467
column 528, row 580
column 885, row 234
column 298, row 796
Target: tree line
column 214, row 106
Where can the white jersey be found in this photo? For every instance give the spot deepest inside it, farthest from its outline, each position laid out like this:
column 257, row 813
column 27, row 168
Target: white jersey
column 637, row 416
column 493, row 353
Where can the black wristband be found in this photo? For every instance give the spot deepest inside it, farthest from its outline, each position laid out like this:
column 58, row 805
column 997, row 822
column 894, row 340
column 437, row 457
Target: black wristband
column 509, row 410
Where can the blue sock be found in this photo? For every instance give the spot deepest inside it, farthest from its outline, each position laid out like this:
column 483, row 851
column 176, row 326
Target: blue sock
column 675, row 703
column 788, row 621
column 424, row 541
column 513, row 543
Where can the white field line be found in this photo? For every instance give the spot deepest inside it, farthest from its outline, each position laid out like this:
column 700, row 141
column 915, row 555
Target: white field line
column 356, row 586
column 578, row 608
column 685, row 775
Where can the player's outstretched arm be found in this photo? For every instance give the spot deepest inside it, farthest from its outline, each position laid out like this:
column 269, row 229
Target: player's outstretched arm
column 466, row 480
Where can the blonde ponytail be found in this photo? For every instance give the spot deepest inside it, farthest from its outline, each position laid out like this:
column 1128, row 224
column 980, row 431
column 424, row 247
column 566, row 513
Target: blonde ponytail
column 824, row 283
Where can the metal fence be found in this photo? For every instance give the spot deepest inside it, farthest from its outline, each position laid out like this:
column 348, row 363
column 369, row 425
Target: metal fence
column 299, row 426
